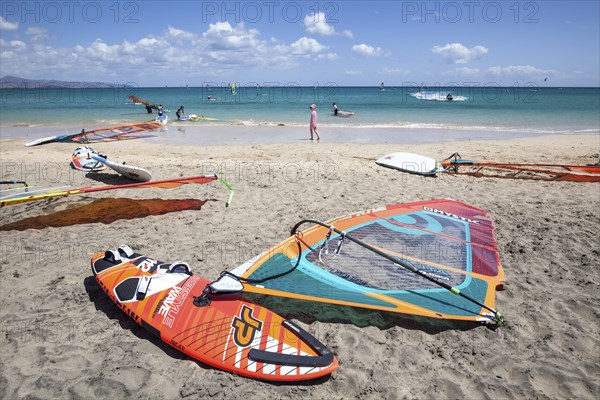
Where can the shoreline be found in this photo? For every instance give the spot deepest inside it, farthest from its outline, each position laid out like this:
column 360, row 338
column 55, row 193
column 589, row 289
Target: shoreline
column 215, row 135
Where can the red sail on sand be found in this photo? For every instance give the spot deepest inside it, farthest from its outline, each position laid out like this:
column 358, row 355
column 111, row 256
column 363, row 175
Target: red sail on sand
column 120, row 132
column 546, row 172
column 41, row 194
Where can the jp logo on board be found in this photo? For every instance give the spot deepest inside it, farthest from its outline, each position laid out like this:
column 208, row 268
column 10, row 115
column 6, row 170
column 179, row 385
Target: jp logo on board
column 245, row 327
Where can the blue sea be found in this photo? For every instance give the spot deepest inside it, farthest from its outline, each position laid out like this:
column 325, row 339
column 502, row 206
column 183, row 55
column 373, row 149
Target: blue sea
column 502, row 109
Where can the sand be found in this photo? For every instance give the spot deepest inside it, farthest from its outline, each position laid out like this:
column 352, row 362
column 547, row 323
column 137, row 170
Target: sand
column 63, row 338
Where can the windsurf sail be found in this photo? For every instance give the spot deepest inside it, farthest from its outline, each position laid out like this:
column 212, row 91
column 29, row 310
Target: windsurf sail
column 23, row 187
column 121, row 132
column 436, row 259
column 455, row 164
column 139, row 100
column 41, row 194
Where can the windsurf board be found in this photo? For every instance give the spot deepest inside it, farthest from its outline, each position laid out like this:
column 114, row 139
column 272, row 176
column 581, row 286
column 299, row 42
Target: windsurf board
column 129, row 171
column 411, row 163
column 226, row 332
column 44, row 140
column 163, row 119
column 194, row 117
column 343, row 114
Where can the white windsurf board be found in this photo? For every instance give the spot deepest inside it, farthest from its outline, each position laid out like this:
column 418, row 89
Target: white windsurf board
column 129, row 171
column 411, row 163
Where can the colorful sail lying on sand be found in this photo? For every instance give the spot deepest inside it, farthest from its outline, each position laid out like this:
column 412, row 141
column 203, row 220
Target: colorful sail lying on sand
column 121, row 132
column 435, row 259
column 41, row 194
column 546, row 172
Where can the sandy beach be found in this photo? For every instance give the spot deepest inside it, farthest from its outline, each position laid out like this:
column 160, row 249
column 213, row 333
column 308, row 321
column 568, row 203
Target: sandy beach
column 62, row 337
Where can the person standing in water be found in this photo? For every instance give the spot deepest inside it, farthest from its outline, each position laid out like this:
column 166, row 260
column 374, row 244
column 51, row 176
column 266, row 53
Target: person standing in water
column 313, row 122
column 180, row 112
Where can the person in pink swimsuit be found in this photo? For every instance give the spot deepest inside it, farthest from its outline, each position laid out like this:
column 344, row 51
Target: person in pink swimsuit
column 313, row 122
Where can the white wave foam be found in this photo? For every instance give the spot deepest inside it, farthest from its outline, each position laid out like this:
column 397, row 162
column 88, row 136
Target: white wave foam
column 437, row 96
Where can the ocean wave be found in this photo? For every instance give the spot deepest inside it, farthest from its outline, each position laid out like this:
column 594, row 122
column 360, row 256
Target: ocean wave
column 437, row 96
column 407, row 125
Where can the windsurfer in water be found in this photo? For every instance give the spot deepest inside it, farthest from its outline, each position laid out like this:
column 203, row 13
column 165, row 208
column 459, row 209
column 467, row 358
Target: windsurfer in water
column 160, row 110
column 335, row 109
column 180, row 112
column 313, row 122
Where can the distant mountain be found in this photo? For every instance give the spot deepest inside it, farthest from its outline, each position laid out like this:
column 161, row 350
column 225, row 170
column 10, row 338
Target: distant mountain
column 14, row 82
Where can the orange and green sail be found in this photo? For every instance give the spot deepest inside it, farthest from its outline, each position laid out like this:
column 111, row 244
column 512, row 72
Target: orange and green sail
column 435, row 259
column 7, row 199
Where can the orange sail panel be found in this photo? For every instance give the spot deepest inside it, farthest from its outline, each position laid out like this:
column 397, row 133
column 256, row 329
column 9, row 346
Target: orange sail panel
column 41, row 194
column 546, row 172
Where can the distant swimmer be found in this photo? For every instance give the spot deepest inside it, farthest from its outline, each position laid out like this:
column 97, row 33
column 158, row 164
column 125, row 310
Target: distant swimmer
column 449, row 97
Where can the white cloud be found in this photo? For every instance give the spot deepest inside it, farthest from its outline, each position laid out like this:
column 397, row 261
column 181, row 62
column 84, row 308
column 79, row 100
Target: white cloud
column 464, row 72
column 220, row 49
column 222, row 35
column 37, row 34
column 17, row 44
column 366, row 51
column 306, row 45
column 316, row 24
column 34, row 30
column 456, row 53
column 180, row 34
column 353, row 72
column 12, row 45
column 328, row 56
column 520, row 70
column 395, row 71
column 8, row 26
column 148, row 42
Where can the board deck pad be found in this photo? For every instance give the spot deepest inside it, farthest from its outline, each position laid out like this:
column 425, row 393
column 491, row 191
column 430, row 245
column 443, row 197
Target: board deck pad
column 230, row 333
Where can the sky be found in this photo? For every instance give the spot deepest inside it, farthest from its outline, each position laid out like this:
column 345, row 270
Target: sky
column 348, row 43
